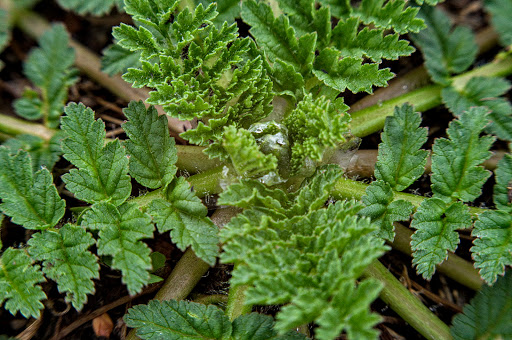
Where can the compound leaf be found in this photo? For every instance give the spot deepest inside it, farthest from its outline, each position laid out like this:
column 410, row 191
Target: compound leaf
column 501, row 19
column 456, row 173
column 67, row 261
column 30, row 199
column 120, row 230
column 446, row 51
column 183, row 213
column 152, row 151
column 117, row 59
column 44, row 154
column 383, row 209
column 390, row 14
column 94, row 7
column 400, row 161
column 485, row 92
column 49, row 67
column 489, row 315
column 102, row 170
column 19, row 280
column 436, row 222
column 492, row 249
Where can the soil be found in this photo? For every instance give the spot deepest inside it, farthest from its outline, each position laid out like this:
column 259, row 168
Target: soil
column 442, row 295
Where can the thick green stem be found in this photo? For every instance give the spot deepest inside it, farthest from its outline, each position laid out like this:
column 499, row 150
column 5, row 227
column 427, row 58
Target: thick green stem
column 13, row 126
column 236, row 299
column 406, row 305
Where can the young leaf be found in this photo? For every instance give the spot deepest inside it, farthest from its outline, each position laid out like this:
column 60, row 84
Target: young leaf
column 400, row 160
column 436, row 222
column 228, row 10
column 19, row 280
column 390, row 14
column 456, row 173
column 484, row 91
column 152, row 151
column 383, row 209
column 44, row 154
column 501, row 19
column 503, row 185
column 49, row 68
column 183, row 213
column 67, row 261
column 314, row 126
column 30, row 199
column 118, row 60
column 245, row 155
column 102, row 170
column 446, row 51
column 94, row 7
column 120, row 229
column 489, row 315
column 492, row 248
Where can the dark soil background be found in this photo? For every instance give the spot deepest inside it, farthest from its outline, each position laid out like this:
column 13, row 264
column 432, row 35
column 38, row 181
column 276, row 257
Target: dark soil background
column 442, row 295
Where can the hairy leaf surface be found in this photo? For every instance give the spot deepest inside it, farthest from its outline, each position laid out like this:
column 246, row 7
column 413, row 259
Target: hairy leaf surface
column 102, row 170
column 489, row 315
column 117, row 59
column 30, row 199
column 49, row 67
column 67, row 261
column 456, row 173
column 446, row 50
column 436, row 222
column 44, row 154
column 19, row 280
column 492, row 248
column 183, row 213
column 152, row 151
column 120, row 230
column 400, row 161
column 485, row 92
column 503, row 184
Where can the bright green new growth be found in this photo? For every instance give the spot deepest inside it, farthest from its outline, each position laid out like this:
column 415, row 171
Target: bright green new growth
column 176, row 320
column 183, row 213
column 446, row 51
column 485, row 92
column 30, row 199
column 152, row 151
column 290, row 249
column 94, row 7
column 399, row 164
column 489, row 315
column 456, row 177
column 120, row 230
column 102, row 170
column 501, row 18
column 49, row 67
column 67, row 261
column 19, row 280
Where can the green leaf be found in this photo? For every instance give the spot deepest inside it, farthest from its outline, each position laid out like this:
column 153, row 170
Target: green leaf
column 5, row 34
column 102, row 170
column 436, row 222
column 371, row 43
column 94, row 7
column 338, row 8
column 446, row 50
column 348, row 73
column 228, row 10
column 44, row 154
column 245, row 155
column 492, row 249
column 152, row 151
column 383, row 209
column 489, row 315
column 314, row 126
column 176, row 320
column 183, row 213
column 503, row 185
column 390, row 15
column 120, row 229
column 484, row 91
column 49, row 67
column 67, row 261
column 400, row 161
column 501, row 19
column 118, row 60
column 19, row 287
column 30, row 199
column 277, row 38
column 456, row 173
